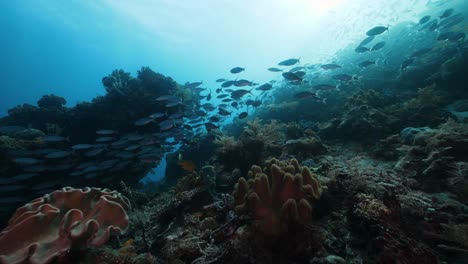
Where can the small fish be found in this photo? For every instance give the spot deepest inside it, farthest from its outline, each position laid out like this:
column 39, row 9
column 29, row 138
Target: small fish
column 445, row 35
column 143, row 121
column 366, row 41
column 106, row 132
column 58, row 155
column 424, row 20
column 214, row 119
column 343, row 77
column 256, row 103
column 54, row 139
column 26, row 161
column 324, row 87
column 296, row 69
column 361, row 49
column 452, row 21
column 406, row 63
column 447, row 13
column 210, row 126
column 300, row 74
column 239, row 93
column 166, row 125
column 229, row 90
column 433, row 26
column 457, row 36
column 104, row 139
column 11, row 188
column 376, row 30
column 226, row 100
column 157, row 115
column 223, row 111
column 242, row 115
column 227, row 83
column 290, row 76
column 420, row 52
column 198, row 90
column 78, row 147
column 172, row 104
column 241, row 83
column 218, row 90
column 221, row 96
column 237, row 70
column 193, row 85
column 288, row 62
column 234, row 104
column 304, row 95
column 176, row 115
column 378, row 46
column 264, row 87
column 272, row 69
column 163, row 98
column 330, row 66
column 135, row 137
column 366, row 63
column 432, row 22
column 132, row 147
column 221, row 80
column 24, row 177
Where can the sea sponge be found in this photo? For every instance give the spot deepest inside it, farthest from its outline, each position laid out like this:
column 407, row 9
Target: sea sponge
column 279, row 197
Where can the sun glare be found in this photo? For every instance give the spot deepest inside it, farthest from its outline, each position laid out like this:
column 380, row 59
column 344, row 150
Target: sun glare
column 321, row 7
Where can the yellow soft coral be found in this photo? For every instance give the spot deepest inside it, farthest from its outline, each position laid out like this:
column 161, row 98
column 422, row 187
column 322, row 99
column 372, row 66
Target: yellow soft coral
column 278, row 197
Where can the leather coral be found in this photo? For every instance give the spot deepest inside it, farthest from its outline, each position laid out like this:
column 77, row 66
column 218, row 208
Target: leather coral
column 279, row 196
column 51, row 226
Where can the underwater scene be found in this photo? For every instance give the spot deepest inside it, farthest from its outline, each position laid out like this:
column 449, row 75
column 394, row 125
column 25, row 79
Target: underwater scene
column 302, row 131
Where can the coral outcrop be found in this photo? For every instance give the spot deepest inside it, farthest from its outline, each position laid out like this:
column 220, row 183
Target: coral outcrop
column 69, row 219
column 279, row 196
column 51, row 102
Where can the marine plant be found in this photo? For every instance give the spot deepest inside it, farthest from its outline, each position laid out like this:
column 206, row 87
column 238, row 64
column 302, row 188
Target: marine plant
column 63, row 221
column 279, row 197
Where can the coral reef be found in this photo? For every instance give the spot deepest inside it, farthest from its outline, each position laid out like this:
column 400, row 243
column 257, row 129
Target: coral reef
column 65, row 220
column 278, row 197
column 437, row 157
column 308, row 146
column 51, row 102
column 118, row 82
column 256, row 142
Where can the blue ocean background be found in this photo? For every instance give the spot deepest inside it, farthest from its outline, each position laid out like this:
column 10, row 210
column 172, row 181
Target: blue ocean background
column 66, row 47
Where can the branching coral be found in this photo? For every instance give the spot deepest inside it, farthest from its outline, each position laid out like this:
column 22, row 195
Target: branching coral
column 68, row 219
column 279, row 197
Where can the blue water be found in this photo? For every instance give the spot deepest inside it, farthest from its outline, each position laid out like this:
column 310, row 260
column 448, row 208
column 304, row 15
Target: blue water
column 66, row 47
